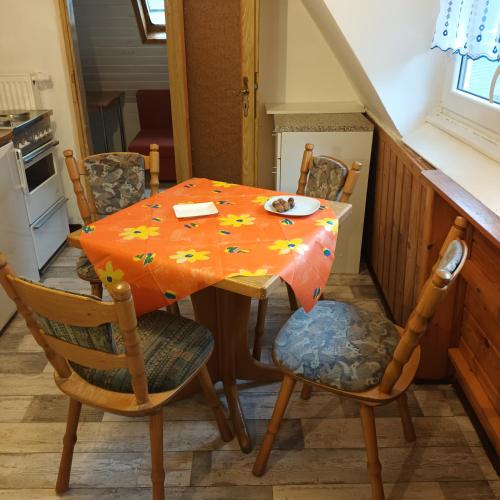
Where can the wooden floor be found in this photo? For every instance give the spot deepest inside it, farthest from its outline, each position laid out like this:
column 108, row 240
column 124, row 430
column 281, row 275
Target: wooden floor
column 319, row 453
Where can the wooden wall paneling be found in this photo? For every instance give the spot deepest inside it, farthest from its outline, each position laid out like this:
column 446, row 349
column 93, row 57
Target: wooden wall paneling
column 390, row 160
column 411, row 247
column 176, row 50
column 383, row 211
column 374, row 227
column 402, row 244
column 395, row 228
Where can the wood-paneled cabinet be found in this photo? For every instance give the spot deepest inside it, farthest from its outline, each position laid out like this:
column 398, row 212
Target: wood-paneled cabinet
column 409, row 212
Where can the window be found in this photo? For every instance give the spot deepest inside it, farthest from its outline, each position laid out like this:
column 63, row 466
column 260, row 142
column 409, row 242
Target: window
column 475, row 78
column 150, row 16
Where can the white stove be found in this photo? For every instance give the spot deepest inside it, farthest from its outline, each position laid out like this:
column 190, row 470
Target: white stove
column 38, row 180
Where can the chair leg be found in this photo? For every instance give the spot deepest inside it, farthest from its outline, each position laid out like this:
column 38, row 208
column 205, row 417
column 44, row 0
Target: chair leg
column 259, row 328
column 208, row 389
column 291, row 298
column 69, row 441
column 174, row 309
column 306, row 391
column 96, row 288
column 274, row 424
column 157, row 469
column 404, row 412
column 370, row 437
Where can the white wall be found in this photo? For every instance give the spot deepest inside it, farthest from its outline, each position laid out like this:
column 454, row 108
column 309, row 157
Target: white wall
column 114, row 57
column 385, row 47
column 296, row 65
column 30, row 41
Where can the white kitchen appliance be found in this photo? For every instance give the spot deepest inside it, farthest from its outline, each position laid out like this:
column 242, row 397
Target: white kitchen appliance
column 40, row 180
column 346, row 136
column 16, row 238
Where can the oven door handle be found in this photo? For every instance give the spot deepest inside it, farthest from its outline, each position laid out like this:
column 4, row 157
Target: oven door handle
column 23, row 183
column 38, row 154
column 48, row 214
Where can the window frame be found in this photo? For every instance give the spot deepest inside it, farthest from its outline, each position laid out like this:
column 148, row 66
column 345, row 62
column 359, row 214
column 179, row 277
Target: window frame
column 475, row 111
column 150, row 32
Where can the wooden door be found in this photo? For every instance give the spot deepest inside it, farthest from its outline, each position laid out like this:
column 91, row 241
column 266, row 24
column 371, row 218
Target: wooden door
column 70, row 37
column 220, row 54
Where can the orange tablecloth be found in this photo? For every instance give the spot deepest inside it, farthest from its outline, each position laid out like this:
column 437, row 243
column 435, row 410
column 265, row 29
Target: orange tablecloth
column 165, row 259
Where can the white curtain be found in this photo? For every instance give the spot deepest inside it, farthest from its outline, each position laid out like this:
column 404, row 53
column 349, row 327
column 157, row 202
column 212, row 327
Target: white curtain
column 469, row 27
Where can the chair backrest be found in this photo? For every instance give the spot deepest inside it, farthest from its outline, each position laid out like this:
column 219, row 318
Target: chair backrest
column 154, row 108
column 326, row 177
column 452, row 256
column 77, row 328
column 106, row 182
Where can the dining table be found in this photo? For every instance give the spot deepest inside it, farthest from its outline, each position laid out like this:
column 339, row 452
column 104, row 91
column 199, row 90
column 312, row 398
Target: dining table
column 221, row 300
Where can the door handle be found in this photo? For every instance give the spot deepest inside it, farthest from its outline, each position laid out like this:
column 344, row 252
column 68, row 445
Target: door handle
column 245, row 92
column 23, row 183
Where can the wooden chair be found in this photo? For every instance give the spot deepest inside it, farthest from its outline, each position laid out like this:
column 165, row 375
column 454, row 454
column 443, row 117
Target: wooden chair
column 338, row 186
column 88, row 175
column 102, row 357
column 392, row 355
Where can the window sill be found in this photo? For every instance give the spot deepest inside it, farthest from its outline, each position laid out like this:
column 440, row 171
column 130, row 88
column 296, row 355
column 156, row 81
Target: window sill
column 471, row 169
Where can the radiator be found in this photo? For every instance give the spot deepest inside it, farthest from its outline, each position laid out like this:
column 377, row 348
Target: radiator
column 19, row 92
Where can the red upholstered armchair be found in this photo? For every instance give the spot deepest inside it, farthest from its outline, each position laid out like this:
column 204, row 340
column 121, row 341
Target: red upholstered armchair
column 155, row 118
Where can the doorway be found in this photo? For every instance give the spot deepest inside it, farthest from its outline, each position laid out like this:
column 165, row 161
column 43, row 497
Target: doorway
column 120, row 77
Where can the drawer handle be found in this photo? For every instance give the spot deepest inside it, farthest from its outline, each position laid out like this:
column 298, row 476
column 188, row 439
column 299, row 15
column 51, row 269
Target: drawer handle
column 46, row 216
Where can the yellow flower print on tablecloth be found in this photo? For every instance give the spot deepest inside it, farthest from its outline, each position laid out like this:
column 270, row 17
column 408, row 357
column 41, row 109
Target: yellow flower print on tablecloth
column 191, row 255
column 222, row 184
column 246, row 272
column 236, row 220
column 140, row 232
column 110, row 276
column 286, row 246
column 260, row 199
column 329, row 224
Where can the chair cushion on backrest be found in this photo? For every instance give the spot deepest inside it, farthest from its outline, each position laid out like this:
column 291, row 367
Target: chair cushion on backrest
column 154, row 108
column 174, row 348
column 337, row 344
column 452, row 257
column 116, row 180
column 326, row 178
column 99, row 337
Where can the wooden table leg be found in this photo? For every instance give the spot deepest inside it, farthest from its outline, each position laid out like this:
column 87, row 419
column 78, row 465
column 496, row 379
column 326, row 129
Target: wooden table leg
column 226, row 314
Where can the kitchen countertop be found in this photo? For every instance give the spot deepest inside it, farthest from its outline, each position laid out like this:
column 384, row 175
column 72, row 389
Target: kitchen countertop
column 5, row 137
column 322, row 122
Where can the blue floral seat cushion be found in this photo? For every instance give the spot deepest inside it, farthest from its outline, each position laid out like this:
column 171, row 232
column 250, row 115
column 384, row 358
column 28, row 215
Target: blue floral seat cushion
column 337, row 344
column 174, row 348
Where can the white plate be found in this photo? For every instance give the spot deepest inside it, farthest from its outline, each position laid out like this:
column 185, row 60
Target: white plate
column 303, row 205
column 183, row 210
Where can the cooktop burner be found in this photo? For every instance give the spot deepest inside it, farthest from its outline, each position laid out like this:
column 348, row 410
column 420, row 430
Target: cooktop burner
column 10, row 116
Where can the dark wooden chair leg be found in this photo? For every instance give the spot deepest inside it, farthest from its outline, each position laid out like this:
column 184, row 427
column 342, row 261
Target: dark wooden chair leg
column 174, row 309
column 370, row 437
column 291, row 298
column 404, row 412
column 157, row 469
column 208, row 389
column 69, row 441
column 259, row 328
column 306, row 391
column 96, row 288
column 274, row 424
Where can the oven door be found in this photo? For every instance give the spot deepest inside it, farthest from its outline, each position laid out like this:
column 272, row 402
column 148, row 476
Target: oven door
column 40, row 179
